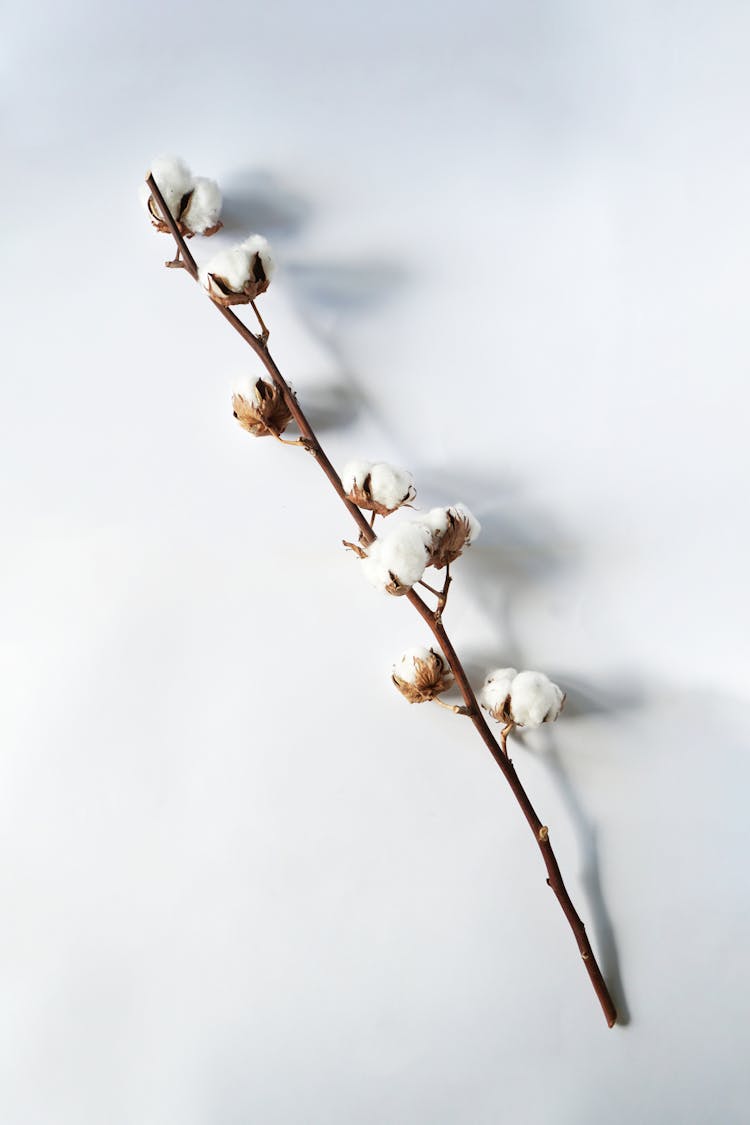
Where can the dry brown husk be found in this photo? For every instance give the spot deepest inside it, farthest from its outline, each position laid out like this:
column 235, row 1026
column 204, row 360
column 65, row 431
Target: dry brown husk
column 267, row 415
column 431, row 679
column 447, row 545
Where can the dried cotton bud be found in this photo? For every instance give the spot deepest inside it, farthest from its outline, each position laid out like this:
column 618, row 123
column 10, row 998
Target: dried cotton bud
column 397, row 559
column 421, row 674
column 194, row 202
column 527, row 699
column 259, row 408
column 452, row 529
column 377, row 487
column 239, row 275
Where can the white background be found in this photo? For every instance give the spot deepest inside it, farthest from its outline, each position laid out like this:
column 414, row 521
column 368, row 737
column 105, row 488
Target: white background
column 242, row 882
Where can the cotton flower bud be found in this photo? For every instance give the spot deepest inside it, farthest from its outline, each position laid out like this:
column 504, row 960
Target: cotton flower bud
column 421, row 674
column 452, row 529
column 397, row 559
column 194, row 202
column 377, row 487
column 259, row 408
column 239, row 275
column 527, row 699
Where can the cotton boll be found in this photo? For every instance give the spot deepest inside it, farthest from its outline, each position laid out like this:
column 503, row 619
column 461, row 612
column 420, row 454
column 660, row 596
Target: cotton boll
column 406, row 665
column 406, row 552
column 203, row 210
column 390, row 487
column 231, row 266
column 377, row 487
column 534, row 699
column 259, row 407
column 397, row 560
column 257, row 245
column 421, row 674
column 173, row 179
column 239, row 275
column 354, row 474
column 452, row 529
column 496, row 691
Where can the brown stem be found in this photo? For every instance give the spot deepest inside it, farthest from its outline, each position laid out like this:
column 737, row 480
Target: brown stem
column 443, row 595
column 264, row 333
column 435, row 625
column 451, row 706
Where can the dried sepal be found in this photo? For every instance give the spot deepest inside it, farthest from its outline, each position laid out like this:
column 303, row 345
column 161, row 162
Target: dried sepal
column 421, row 675
column 260, row 408
column 452, row 530
column 395, row 586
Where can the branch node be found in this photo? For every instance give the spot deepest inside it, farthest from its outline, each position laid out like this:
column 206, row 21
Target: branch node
column 543, row 834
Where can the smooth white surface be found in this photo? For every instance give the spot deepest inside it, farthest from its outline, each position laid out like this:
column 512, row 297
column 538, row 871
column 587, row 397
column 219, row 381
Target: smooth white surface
column 241, row 880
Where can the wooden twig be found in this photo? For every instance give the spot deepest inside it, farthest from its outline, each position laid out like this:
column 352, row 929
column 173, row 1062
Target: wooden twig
column 433, row 620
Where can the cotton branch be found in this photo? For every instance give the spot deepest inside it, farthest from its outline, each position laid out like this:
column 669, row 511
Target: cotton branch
column 432, row 618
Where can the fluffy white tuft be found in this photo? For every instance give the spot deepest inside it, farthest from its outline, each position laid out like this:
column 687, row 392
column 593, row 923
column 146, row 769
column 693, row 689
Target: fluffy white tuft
column 257, row 244
column 437, row 520
column 354, row 473
column 205, row 205
column 496, row 688
column 399, row 555
column 232, row 266
column 534, row 699
column 173, row 179
column 390, row 486
column 406, row 667
column 246, row 388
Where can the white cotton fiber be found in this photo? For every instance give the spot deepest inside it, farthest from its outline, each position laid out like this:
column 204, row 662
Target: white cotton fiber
column 534, row 699
column 257, row 244
column 375, row 567
column 436, row 520
column 232, row 266
column 390, row 486
column 386, row 485
column 205, row 206
column 405, row 667
column 496, row 689
column 399, row 556
column 246, row 388
column 173, row 179
column 354, row 474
